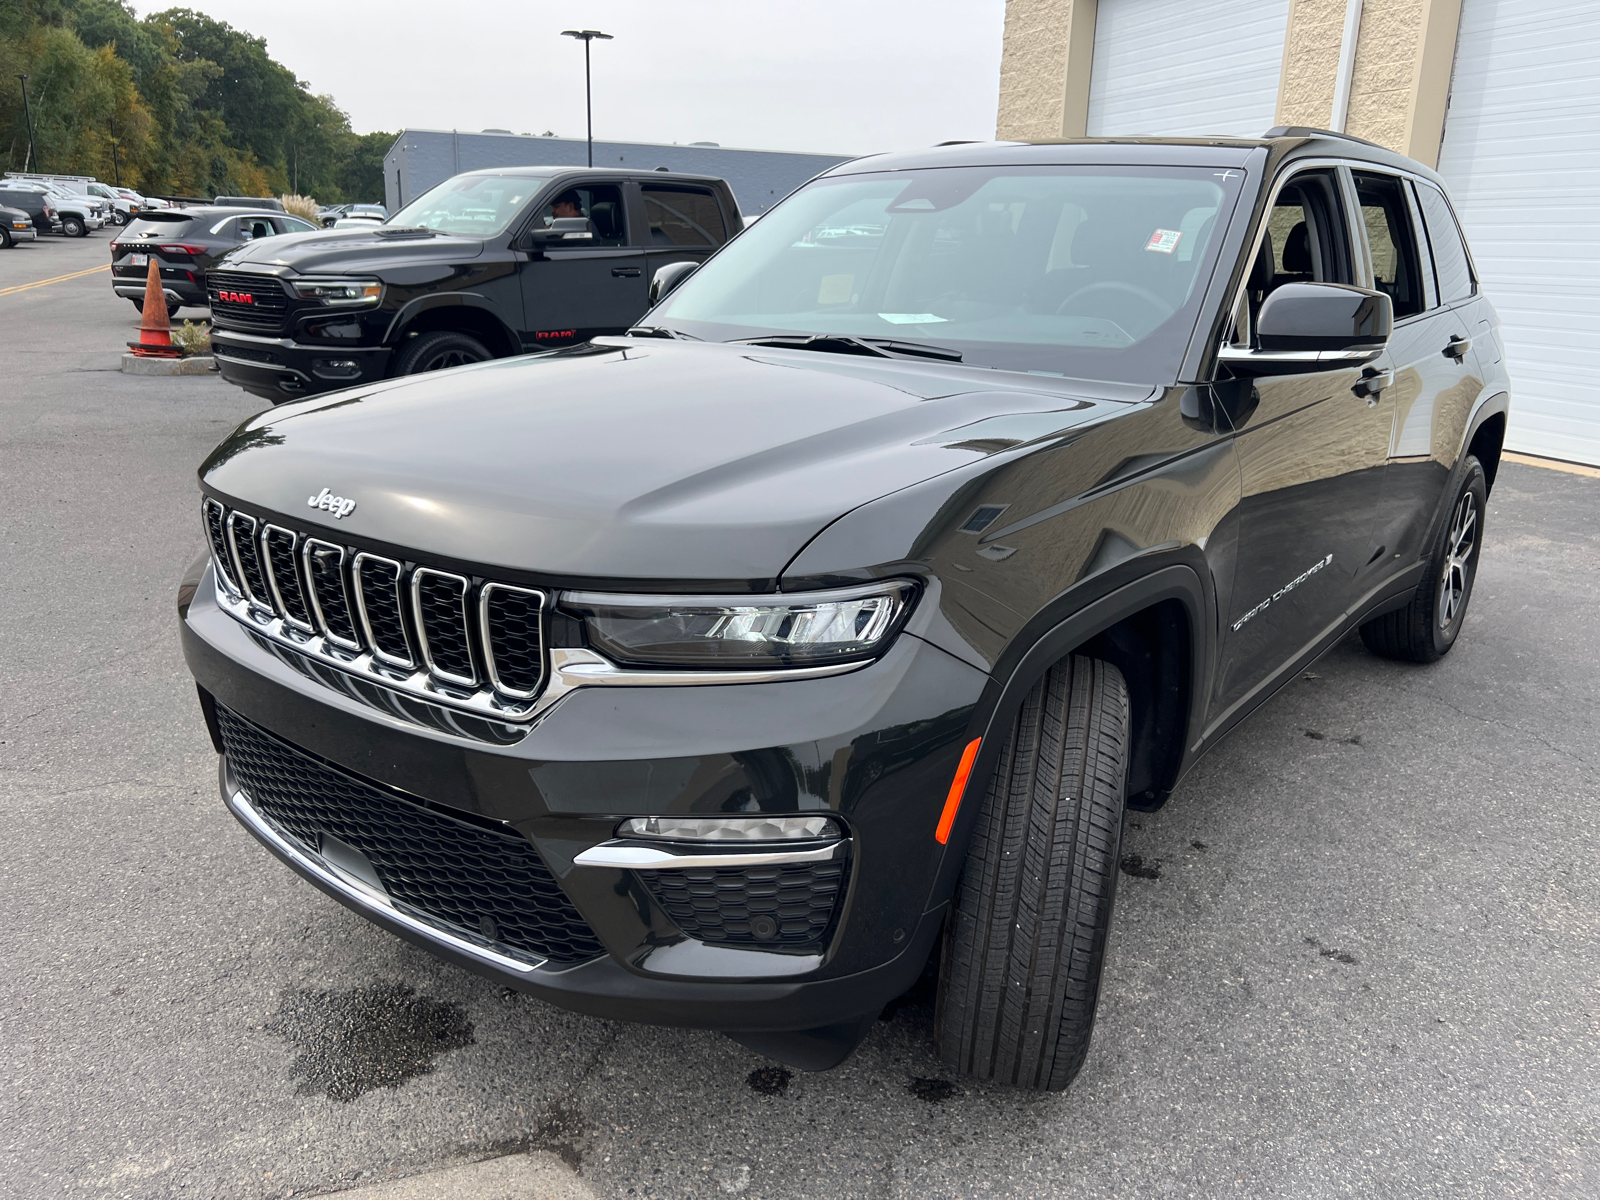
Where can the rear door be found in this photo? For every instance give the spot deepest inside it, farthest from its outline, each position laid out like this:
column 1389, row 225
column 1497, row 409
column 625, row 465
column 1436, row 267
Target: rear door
column 1312, row 454
column 1429, row 354
column 576, row 291
column 685, row 223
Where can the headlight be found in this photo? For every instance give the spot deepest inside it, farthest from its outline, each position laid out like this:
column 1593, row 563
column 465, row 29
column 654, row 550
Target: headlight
column 346, row 293
column 732, row 632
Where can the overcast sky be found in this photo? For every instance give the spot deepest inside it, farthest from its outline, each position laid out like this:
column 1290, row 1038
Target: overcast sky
column 841, row 76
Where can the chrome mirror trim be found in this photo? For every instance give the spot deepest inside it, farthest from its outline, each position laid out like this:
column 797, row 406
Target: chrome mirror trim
column 1311, row 358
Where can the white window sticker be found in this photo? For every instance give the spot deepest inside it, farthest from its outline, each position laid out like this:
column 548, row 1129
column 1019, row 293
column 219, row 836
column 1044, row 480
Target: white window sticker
column 835, row 289
column 1164, row 241
column 910, row 318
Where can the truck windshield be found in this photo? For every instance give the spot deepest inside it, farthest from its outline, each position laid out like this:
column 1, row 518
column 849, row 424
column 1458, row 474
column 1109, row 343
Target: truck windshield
column 1094, row 272
column 472, row 205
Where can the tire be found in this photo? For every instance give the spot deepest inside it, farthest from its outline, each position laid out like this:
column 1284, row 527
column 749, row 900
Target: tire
column 440, row 351
column 6, row 241
column 1026, row 937
column 137, row 304
column 118, row 218
column 74, row 227
column 1425, row 629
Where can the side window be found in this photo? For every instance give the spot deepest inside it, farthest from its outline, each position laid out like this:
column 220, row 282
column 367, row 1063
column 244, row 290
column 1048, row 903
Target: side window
column 600, row 202
column 1449, row 251
column 683, row 217
column 1396, row 265
column 293, row 225
column 1307, row 239
column 256, row 227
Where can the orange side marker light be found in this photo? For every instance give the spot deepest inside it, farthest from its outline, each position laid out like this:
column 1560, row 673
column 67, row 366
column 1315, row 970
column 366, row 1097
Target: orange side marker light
column 952, row 802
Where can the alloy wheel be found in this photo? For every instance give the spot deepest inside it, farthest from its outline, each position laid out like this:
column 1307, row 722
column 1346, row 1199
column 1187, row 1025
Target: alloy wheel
column 454, row 357
column 1460, row 543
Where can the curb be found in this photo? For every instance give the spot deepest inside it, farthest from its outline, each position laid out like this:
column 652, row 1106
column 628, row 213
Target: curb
column 200, row 364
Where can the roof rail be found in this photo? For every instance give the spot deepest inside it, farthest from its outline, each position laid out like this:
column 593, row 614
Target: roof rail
column 1278, row 131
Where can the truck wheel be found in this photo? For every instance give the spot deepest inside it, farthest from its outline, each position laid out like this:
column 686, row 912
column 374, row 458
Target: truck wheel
column 5, row 239
column 437, row 351
column 74, row 227
column 118, row 217
column 1026, row 936
column 137, row 303
column 1425, row 629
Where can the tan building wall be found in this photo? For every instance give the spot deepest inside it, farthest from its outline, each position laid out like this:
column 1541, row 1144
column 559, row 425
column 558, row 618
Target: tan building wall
column 1398, row 89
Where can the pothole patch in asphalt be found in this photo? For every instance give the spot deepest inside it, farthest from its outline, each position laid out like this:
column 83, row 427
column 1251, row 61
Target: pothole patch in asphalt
column 368, row 1037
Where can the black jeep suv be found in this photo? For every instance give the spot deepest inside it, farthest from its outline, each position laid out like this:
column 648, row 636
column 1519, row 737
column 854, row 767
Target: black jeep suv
column 716, row 674
column 487, row 264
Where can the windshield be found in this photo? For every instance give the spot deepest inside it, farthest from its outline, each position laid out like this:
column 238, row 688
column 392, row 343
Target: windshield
column 475, row 205
column 156, row 227
column 1094, row 272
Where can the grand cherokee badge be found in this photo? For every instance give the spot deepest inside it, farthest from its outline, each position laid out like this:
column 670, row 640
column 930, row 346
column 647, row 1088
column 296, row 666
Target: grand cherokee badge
column 328, row 502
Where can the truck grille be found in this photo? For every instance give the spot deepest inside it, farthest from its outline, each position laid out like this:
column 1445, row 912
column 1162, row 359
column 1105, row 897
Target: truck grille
column 483, row 882
column 262, row 312
column 787, row 907
column 458, row 641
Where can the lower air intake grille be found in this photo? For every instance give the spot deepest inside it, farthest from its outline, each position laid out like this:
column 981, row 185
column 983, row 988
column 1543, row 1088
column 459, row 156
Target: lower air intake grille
column 787, row 907
column 486, row 885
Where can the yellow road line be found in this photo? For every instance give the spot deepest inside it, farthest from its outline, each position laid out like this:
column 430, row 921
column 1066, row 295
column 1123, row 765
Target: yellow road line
column 1553, row 464
column 22, row 287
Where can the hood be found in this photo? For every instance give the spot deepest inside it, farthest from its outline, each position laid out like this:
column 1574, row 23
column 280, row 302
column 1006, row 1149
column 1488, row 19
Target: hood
column 637, row 460
column 352, row 251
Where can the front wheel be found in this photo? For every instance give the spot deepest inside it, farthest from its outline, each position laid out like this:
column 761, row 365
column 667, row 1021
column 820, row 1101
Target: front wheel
column 1425, row 629
column 73, row 227
column 439, row 351
column 1024, row 943
column 5, row 239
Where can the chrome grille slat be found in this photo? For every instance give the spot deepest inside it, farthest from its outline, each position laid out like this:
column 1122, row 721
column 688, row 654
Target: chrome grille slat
column 511, row 628
column 247, row 560
column 278, row 556
column 439, row 600
column 215, row 518
column 381, row 603
column 330, row 600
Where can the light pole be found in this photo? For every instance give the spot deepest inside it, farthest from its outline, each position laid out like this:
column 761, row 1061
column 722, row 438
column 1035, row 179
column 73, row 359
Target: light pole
column 588, row 35
column 33, row 152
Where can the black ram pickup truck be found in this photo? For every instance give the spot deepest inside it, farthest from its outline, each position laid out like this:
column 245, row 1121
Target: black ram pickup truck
column 725, row 673
column 486, row 265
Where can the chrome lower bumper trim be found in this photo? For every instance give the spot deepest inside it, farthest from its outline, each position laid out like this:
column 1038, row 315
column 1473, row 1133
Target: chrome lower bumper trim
column 636, row 856
column 359, row 894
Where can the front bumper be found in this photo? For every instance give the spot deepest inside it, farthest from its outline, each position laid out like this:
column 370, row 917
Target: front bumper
column 24, row 235
column 876, row 747
column 282, row 369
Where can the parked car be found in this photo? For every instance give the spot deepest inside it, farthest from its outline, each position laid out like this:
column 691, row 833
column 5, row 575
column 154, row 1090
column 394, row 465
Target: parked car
column 16, row 225
column 372, row 212
column 479, row 267
column 269, row 203
column 356, row 221
column 331, row 213
column 35, row 203
column 716, row 674
column 80, row 215
column 184, row 242
column 117, row 207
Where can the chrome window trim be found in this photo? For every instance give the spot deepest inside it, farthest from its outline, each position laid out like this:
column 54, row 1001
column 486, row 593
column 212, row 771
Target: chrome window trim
column 243, row 580
column 358, row 893
column 316, row 604
column 409, row 663
column 422, row 629
column 271, row 573
column 224, row 569
column 633, row 856
column 488, row 642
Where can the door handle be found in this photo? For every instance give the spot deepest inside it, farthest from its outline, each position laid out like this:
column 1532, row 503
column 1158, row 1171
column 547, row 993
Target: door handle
column 625, row 272
column 1457, row 347
column 1373, row 382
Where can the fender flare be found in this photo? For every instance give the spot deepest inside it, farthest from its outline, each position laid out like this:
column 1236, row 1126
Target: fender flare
column 1063, row 625
column 412, row 309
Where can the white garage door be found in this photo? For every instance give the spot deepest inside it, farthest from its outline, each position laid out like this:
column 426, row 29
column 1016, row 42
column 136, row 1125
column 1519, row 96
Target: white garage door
column 1181, row 67
column 1522, row 156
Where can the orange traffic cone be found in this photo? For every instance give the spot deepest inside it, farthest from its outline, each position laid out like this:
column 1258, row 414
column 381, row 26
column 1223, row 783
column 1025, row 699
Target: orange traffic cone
column 155, row 330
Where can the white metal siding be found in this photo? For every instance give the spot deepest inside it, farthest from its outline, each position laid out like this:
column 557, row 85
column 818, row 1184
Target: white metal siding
column 1182, row 67
column 1521, row 153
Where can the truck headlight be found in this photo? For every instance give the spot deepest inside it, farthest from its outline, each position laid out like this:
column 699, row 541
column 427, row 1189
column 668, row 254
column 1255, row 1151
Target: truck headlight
column 804, row 629
column 345, row 293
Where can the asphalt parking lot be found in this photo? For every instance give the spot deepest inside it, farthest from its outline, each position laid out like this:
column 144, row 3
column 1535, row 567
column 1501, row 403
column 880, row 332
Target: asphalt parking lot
column 1357, row 955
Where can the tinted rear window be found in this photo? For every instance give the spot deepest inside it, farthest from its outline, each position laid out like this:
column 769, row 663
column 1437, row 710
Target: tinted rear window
column 140, row 227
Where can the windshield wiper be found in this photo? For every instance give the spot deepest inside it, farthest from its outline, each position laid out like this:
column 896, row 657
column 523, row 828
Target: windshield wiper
column 840, row 343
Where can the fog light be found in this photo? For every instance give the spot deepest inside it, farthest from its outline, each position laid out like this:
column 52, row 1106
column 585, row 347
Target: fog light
column 732, row 829
column 336, row 368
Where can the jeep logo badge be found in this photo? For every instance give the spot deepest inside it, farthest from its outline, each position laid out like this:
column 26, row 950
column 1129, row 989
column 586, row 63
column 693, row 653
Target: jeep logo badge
column 328, row 502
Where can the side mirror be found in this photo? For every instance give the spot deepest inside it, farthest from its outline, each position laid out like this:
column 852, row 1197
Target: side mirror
column 1307, row 326
column 563, row 229
column 668, row 278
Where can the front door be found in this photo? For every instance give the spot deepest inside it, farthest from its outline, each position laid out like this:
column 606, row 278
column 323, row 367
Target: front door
column 574, row 291
column 1312, row 453
column 685, row 223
